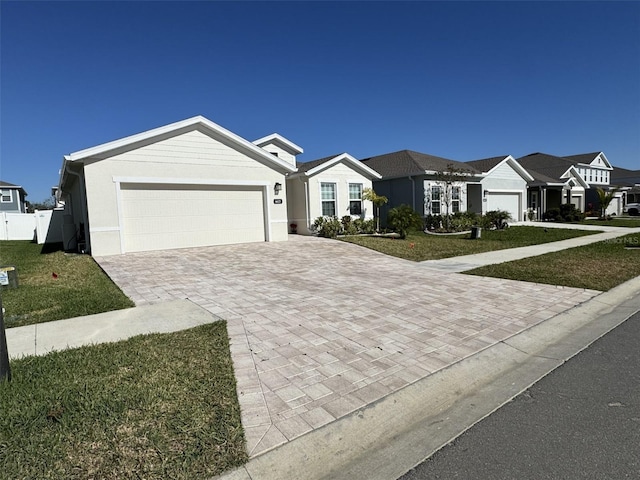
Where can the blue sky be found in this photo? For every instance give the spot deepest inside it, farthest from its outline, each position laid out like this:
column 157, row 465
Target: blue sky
column 461, row 80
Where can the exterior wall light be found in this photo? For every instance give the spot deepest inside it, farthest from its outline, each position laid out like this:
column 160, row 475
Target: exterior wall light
column 277, row 187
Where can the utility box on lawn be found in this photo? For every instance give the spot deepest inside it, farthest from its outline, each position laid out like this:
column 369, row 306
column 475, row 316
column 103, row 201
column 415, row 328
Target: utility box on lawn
column 476, row 232
column 8, row 276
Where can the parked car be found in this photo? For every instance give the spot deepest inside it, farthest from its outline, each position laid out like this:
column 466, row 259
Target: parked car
column 633, row 209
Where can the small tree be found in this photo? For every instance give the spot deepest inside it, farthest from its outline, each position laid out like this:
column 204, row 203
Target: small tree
column 605, row 198
column 451, row 179
column 46, row 204
column 377, row 200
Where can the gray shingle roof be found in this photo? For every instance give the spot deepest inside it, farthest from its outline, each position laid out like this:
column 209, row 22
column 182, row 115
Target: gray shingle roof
column 582, row 158
column 7, row 184
column 486, row 164
column 624, row 177
column 11, row 185
column 408, row 162
column 306, row 166
column 545, row 168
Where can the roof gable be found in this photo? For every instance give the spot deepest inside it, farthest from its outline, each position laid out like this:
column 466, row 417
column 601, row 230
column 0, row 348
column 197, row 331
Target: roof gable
column 11, row 186
column 488, row 165
column 408, row 162
column 595, row 159
column 281, row 142
column 315, row 167
column 200, row 123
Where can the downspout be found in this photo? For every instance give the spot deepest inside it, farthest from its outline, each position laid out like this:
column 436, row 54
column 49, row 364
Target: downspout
column 413, row 192
column 83, row 206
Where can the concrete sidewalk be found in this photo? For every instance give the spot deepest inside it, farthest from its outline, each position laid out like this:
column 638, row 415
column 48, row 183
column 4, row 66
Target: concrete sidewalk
column 469, row 262
column 43, row 338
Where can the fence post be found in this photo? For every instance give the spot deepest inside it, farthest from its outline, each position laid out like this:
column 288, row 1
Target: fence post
column 5, row 368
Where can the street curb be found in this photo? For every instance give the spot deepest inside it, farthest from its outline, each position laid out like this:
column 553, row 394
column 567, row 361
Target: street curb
column 387, row 438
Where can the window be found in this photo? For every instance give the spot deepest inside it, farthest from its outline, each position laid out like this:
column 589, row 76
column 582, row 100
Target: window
column 355, row 199
column 6, row 195
column 455, row 199
column 436, row 193
column 328, row 194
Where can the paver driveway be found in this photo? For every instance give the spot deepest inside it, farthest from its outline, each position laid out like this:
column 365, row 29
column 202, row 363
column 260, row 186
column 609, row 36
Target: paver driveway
column 320, row 328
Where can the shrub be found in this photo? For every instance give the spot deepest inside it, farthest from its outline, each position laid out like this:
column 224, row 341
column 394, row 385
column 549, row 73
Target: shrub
column 496, row 219
column 348, row 226
column 433, row 222
column 402, row 219
column 566, row 213
column 365, row 226
column 462, row 221
column 552, row 215
column 329, row 227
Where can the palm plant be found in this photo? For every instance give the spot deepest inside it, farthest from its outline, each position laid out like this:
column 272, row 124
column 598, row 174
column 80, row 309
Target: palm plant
column 605, row 197
column 377, row 200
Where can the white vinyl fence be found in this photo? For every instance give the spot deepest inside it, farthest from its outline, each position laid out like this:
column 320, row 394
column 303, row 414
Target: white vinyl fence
column 18, row 226
column 44, row 226
column 49, row 225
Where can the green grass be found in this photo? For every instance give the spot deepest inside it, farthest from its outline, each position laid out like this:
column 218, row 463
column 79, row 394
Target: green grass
column 154, row 406
column 420, row 246
column 81, row 287
column 630, row 222
column 598, row 266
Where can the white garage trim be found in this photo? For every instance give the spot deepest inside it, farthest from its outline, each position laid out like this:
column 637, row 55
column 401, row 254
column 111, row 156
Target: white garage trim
column 264, row 186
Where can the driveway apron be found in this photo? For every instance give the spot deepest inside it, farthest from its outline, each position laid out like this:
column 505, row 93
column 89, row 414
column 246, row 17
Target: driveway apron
column 320, row 328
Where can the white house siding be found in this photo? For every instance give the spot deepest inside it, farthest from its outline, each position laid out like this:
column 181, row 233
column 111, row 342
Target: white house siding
column 192, row 158
column 342, row 175
column 504, row 189
column 280, row 152
column 297, row 204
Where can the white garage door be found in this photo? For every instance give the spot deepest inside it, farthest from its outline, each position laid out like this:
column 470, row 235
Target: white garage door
column 158, row 217
column 504, row 201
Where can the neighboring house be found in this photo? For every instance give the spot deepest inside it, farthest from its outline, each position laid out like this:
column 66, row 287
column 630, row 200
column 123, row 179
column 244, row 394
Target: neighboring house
column 556, row 180
column 409, row 178
column 572, row 178
column 12, row 198
column 629, row 183
column 596, row 170
column 503, row 186
column 330, row 186
column 188, row 184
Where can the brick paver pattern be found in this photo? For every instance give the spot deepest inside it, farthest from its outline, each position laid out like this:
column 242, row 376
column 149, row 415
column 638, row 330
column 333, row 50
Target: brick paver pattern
column 321, row 328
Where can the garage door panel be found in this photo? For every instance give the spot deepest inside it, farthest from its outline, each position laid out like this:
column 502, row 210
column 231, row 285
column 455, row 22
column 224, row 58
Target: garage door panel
column 504, row 201
column 167, row 216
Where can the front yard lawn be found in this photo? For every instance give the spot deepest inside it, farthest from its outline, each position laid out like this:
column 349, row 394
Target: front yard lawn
column 630, row 222
column 54, row 286
column 420, row 246
column 153, row 406
column 598, row 266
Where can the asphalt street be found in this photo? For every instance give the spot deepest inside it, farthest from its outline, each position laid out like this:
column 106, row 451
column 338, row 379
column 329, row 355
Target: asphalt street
column 582, row 421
